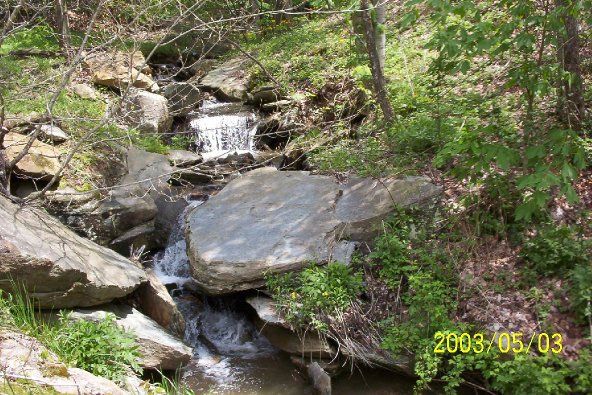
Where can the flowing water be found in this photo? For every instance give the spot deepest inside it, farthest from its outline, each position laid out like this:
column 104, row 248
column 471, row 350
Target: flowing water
column 230, row 356
column 221, row 128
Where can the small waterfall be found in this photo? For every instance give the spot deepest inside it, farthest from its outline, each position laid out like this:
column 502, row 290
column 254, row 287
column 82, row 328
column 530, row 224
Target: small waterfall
column 224, row 340
column 221, row 128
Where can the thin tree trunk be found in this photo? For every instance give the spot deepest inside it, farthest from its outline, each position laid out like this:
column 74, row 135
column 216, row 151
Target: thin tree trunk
column 255, row 10
column 571, row 100
column 377, row 72
column 11, row 20
column 62, row 25
column 379, row 30
column 280, row 6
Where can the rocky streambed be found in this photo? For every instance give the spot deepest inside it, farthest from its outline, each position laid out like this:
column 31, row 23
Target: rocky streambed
column 216, row 221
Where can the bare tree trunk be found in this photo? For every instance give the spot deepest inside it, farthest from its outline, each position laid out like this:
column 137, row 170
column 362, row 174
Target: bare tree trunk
column 379, row 30
column 255, row 10
column 377, row 71
column 281, row 5
column 571, row 101
column 11, row 19
column 62, row 25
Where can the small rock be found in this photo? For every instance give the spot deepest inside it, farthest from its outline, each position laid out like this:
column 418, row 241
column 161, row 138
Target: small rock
column 155, row 301
column 40, row 163
column 321, row 381
column 182, row 158
column 276, row 106
column 194, row 177
column 54, row 134
column 230, row 81
column 280, row 334
column 118, row 70
column 148, row 112
column 84, row 91
column 183, row 97
column 264, row 95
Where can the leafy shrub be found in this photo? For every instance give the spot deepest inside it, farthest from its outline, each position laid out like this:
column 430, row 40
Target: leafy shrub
column 581, row 290
column 317, row 290
column 102, row 348
column 554, row 249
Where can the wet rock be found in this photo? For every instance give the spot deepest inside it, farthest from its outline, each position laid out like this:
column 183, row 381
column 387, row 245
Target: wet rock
column 244, row 158
column 264, row 95
column 320, row 380
column 181, row 158
column 68, row 271
column 84, row 91
column 141, row 236
column 230, row 81
column 158, row 348
column 201, row 67
column 127, row 215
column 195, row 177
column 276, row 105
column 267, row 221
column 183, row 97
column 281, row 335
column 146, row 111
column 119, row 70
column 28, row 121
column 24, row 358
column 41, row 161
column 53, row 133
column 154, row 300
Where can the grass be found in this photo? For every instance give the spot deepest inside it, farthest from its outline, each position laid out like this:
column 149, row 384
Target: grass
column 102, row 348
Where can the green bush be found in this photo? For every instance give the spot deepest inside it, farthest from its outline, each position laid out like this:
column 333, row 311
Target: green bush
column 317, row 290
column 581, row 291
column 102, row 348
column 555, row 248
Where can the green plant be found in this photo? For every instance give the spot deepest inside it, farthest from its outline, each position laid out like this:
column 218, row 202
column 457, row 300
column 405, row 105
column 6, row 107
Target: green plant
column 315, row 291
column 102, row 348
column 581, row 291
column 554, row 249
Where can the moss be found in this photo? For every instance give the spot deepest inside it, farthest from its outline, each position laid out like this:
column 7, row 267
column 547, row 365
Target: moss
column 25, row 387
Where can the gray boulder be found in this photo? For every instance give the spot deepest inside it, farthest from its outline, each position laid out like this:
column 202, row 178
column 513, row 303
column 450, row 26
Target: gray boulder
column 146, row 111
column 154, row 300
column 41, row 161
column 120, row 70
column 158, row 348
column 181, row 158
column 183, row 97
column 267, row 221
column 230, row 81
column 57, row 267
column 279, row 333
column 53, row 134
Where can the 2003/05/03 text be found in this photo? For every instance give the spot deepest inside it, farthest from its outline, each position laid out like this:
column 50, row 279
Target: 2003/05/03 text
column 504, row 342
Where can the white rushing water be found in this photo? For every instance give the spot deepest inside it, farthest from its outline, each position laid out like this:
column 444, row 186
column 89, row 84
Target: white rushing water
column 224, row 340
column 222, row 128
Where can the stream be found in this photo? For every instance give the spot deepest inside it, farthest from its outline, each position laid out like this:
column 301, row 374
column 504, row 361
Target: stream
column 230, row 355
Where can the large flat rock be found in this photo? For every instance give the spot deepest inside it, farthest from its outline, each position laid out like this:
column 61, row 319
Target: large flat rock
column 57, row 267
column 268, row 221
